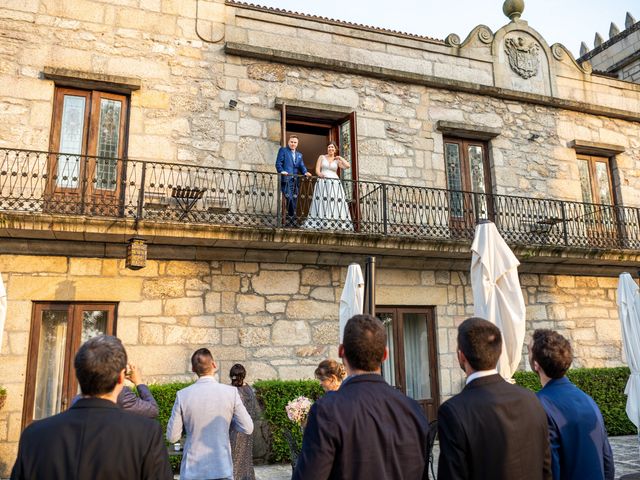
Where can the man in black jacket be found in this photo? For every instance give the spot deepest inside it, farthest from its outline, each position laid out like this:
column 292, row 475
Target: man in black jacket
column 492, row 429
column 95, row 438
column 367, row 429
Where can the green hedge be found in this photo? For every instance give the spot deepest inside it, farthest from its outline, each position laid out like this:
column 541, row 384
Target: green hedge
column 273, row 396
column 604, row 385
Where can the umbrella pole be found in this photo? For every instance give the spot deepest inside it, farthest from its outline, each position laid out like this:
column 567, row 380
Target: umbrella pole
column 370, row 286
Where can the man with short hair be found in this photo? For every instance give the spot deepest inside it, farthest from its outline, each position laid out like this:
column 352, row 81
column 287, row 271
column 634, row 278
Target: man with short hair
column 367, row 429
column 95, row 438
column 492, row 429
column 289, row 164
column 579, row 445
column 206, row 410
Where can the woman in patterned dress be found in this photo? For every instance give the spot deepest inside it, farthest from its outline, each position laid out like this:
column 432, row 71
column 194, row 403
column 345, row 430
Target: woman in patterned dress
column 241, row 443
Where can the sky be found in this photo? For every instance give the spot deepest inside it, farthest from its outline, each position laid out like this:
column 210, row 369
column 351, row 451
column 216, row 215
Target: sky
column 559, row 21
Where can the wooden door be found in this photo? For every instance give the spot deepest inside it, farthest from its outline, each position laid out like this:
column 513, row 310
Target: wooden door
column 57, row 331
column 87, row 144
column 412, row 365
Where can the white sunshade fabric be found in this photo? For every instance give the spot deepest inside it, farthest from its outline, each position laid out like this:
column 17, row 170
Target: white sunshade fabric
column 628, row 300
column 497, row 296
column 3, row 308
column 352, row 298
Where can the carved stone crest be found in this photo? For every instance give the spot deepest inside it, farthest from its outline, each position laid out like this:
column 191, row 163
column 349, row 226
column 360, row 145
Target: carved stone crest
column 523, row 57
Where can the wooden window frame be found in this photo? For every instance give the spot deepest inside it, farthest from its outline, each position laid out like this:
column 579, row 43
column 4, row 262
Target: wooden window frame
column 430, row 406
column 72, row 343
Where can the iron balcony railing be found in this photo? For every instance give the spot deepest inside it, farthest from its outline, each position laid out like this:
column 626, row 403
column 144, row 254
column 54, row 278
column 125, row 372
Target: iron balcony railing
column 45, row 182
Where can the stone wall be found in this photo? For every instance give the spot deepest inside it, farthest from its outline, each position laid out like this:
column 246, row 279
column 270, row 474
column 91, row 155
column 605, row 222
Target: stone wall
column 279, row 320
column 180, row 113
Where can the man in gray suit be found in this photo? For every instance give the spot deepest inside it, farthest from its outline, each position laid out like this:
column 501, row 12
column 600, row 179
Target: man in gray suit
column 206, row 410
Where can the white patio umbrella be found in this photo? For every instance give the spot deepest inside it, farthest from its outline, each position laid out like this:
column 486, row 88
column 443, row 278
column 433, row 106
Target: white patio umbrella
column 352, row 298
column 497, row 296
column 3, row 308
column 629, row 312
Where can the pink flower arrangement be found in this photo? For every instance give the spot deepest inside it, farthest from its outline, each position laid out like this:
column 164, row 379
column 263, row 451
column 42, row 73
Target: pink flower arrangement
column 298, row 410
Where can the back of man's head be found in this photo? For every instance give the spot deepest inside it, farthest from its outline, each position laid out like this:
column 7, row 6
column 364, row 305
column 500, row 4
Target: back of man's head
column 98, row 363
column 552, row 352
column 481, row 343
column 364, row 341
column 202, row 362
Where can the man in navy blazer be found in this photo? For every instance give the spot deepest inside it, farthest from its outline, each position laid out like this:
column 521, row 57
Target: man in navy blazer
column 289, row 165
column 492, row 429
column 579, row 445
column 367, row 429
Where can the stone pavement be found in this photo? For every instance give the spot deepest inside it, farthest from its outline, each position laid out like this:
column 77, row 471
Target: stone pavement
column 626, row 455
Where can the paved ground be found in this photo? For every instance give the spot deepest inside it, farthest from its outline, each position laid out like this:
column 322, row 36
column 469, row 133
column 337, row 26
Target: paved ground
column 626, row 453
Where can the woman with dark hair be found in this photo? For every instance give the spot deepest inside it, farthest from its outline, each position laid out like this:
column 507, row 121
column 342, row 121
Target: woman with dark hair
column 331, row 374
column 329, row 209
column 241, row 443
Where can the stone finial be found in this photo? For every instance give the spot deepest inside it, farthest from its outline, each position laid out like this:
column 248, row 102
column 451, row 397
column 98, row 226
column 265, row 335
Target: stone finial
column 513, row 9
column 613, row 30
column 629, row 21
column 598, row 40
column 583, row 49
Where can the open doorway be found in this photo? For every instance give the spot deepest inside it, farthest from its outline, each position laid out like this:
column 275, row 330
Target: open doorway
column 315, row 129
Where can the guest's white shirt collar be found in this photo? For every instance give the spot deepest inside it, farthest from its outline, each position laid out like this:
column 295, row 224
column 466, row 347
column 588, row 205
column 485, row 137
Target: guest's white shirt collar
column 480, row 374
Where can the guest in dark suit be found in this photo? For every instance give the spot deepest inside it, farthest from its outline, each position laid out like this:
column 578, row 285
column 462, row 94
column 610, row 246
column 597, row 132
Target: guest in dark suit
column 289, row 165
column 367, row 429
column 95, row 438
column 580, row 448
column 492, row 429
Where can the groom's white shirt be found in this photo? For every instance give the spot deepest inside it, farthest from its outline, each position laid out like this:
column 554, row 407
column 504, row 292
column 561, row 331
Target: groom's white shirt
column 206, row 410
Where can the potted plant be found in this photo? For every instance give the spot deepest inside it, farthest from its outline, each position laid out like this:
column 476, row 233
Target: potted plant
column 3, row 396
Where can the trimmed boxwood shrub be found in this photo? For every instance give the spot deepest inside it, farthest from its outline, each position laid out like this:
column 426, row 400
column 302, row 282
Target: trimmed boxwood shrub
column 273, row 396
column 604, row 385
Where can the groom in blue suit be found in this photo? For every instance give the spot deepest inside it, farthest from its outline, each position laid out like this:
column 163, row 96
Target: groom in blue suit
column 289, row 165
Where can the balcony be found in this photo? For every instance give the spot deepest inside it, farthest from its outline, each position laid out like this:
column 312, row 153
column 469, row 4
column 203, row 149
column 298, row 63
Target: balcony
column 137, row 192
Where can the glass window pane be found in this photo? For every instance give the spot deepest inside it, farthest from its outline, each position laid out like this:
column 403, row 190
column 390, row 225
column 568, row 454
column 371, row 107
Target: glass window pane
column 585, row 181
column 416, row 356
column 345, row 152
column 476, row 164
column 71, row 137
column 602, row 181
column 50, row 366
column 94, row 323
column 454, row 177
column 388, row 367
column 108, row 142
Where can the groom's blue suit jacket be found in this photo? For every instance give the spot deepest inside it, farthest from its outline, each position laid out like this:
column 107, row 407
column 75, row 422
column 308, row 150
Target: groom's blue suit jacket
column 286, row 163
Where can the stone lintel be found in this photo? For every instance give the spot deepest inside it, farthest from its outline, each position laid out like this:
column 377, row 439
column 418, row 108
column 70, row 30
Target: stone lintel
column 90, row 80
column 321, row 111
column 388, row 74
column 596, row 148
column 465, row 130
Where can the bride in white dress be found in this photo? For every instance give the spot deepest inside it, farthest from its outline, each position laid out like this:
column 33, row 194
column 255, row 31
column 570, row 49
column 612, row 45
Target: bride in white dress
column 329, row 209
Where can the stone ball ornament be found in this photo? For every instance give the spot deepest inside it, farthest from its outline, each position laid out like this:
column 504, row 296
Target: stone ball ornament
column 513, row 8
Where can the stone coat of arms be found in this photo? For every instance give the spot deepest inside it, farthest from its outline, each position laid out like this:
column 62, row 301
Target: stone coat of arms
column 523, row 57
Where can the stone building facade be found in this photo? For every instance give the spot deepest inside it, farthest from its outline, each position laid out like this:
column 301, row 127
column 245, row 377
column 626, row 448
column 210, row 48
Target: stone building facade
column 211, row 85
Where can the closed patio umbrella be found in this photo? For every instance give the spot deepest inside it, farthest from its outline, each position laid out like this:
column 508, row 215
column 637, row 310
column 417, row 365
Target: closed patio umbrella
column 497, row 296
column 3, row 308
column 629, row 311
column 352, row 298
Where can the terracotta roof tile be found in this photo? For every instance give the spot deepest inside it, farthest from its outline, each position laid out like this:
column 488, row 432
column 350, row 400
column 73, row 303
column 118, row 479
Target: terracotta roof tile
column 334, row 21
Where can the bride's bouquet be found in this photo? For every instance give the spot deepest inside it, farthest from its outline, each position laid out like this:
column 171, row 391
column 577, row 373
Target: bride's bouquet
column 298, row 410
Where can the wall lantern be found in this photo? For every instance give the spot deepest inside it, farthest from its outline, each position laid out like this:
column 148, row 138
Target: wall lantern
column 136, row 253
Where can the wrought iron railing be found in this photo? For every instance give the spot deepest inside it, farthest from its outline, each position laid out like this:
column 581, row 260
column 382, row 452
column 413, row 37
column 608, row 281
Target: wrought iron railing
column 45, row 182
